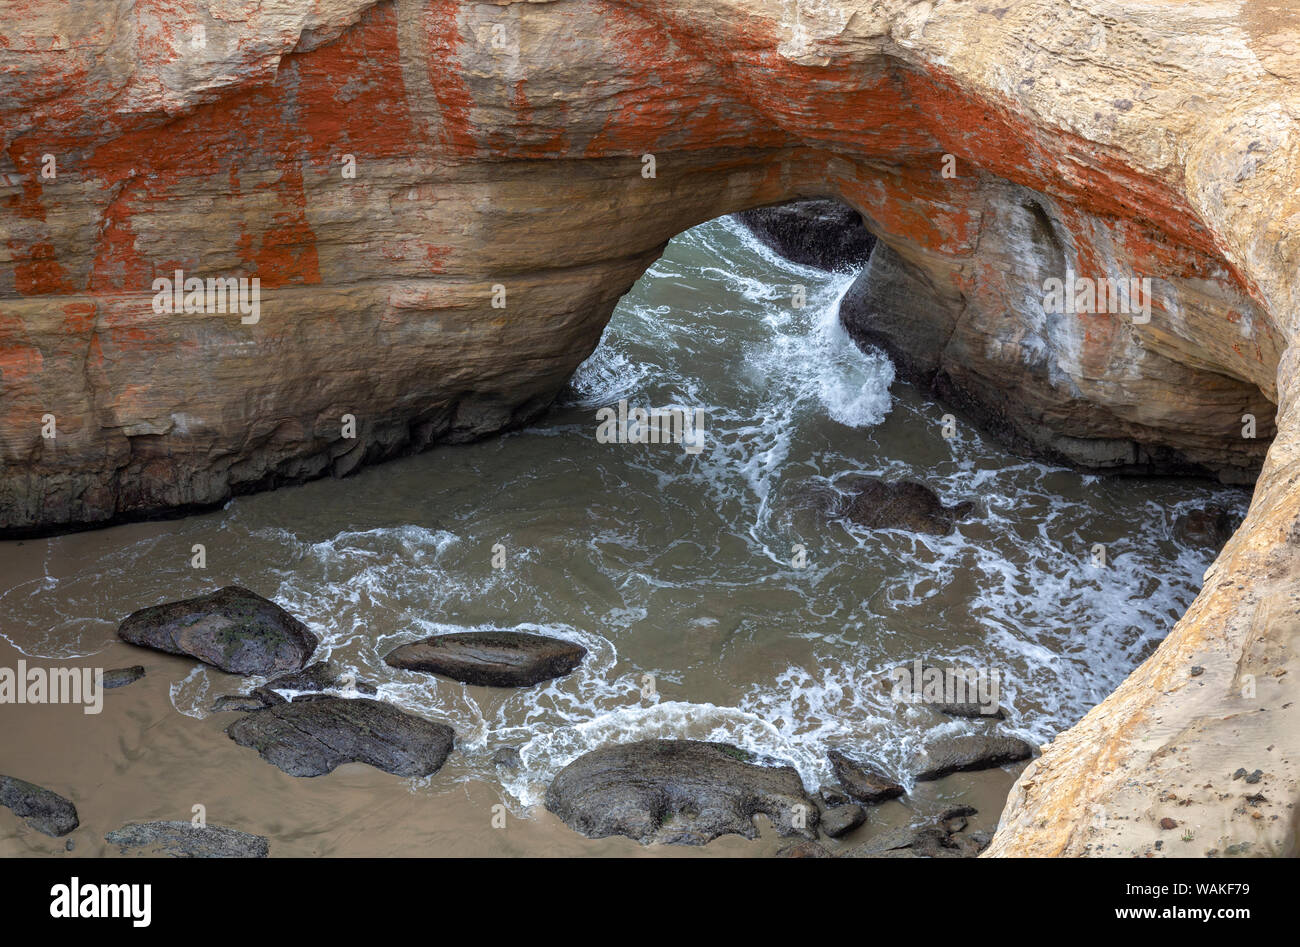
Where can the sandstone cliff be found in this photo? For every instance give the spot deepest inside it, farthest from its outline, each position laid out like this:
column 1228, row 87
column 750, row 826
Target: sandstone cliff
column 503, row 154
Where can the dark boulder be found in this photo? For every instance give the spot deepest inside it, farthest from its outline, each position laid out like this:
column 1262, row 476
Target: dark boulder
column 862, row 783
column 874, row 503
column 805, row 506
column 120, row 677
column 312, row 737
column 959, row 754
column 490, row 658
column 232, row 629
column 841, row 820
column 45, row 811
column 821, row 233
column 185, row 840
column 678, row 792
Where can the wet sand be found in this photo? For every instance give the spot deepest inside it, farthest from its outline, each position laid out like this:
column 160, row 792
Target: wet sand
column 140, row 760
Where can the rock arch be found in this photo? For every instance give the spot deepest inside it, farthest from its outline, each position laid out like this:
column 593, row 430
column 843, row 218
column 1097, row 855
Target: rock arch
column 501, row 144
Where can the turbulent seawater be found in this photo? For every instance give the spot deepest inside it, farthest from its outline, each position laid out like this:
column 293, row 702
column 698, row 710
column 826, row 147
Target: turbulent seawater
column 675, row 570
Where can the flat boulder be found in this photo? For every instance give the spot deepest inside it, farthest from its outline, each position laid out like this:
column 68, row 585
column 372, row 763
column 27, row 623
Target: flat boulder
column 232, row 629
column 862, row 783
column 44, row 810
column 873, row 503
column 490, row 658
column 678, row 792
column 186, row 840
column 959, row 754
column 312, row 737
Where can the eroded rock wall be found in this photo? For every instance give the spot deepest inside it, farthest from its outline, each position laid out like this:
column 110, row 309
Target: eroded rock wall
column 1096, row 390
column 500, row 145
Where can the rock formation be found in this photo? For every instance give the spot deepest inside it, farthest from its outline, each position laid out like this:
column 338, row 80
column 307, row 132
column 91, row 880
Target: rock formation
column 824, row 234
column 184, row 840
column 967, row 752
column 43, row 809
column 679, row 792
column 490, row 658
column 862, row 783
column 232, row 628
column 311, row 736
column 443, row 201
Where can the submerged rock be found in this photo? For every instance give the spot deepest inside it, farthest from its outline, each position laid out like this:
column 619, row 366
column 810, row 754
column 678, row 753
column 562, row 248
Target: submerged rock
column 683, row 792
column 821, row 233
column 232, row 629
column 804, row 507
column 185, row 840
column 1212, row 526
column 862, row 783
column 312, row 737
column 869, row 502
column 508, row 757
column 314, row 679
column 44, row 810
column 120, row 677
column 978, row 751
column 490, row 658
column 970, row 708
column 874, row 503
column 242, row 702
